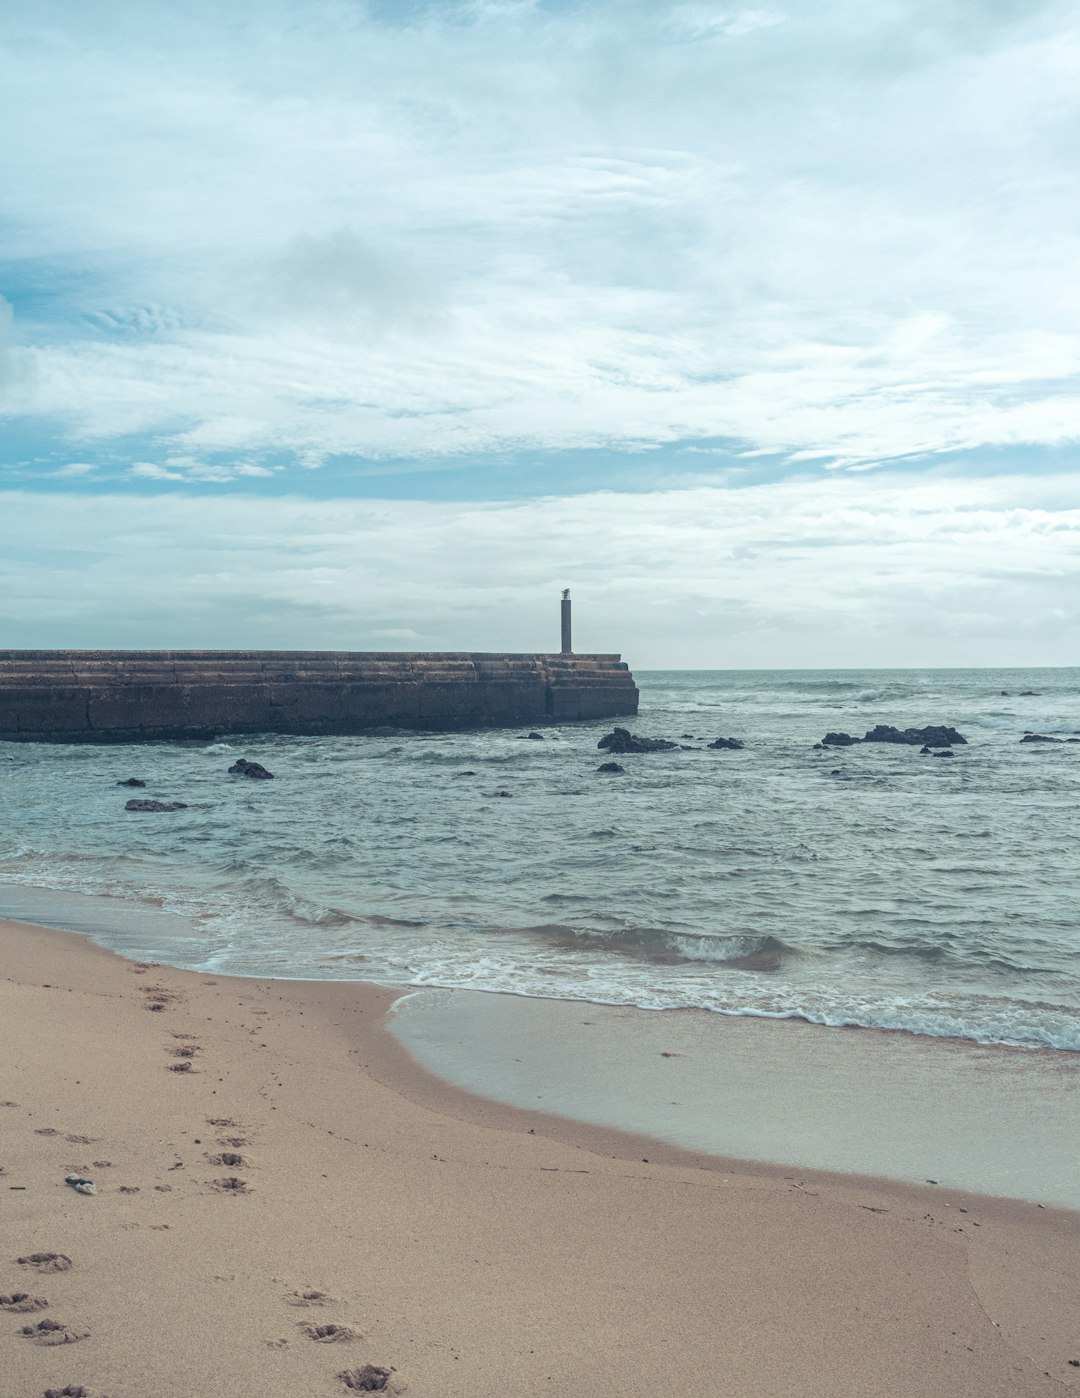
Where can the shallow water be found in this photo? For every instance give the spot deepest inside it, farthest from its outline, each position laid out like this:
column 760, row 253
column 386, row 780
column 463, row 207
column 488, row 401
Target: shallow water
column 983, row 1119
column 869, row 886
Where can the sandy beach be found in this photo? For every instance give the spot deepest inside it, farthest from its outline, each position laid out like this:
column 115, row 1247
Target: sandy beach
column 287, row 1205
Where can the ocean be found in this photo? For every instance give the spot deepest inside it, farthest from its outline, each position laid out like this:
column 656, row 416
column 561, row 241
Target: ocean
column 871, row 886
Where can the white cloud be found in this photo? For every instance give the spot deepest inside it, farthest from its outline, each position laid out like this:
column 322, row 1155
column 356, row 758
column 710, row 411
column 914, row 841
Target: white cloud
column 190, row 468
column 849, row 570
column 849, row 232
column 75, row 469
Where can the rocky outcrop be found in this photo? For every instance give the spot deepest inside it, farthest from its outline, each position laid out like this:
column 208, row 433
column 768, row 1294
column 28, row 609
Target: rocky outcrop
column 622, row 740
column 728, row 744
column 137, row 696
column 243, row 768
column 610, row 768
column 934, row 735
column 138, row 803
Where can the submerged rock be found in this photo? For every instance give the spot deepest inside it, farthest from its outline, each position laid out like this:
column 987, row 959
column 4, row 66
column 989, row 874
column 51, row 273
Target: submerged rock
column 243, row 768
column 622, row 740
column 837, row 740
column 132, row 781
column 612, row 768
column 728, row 744
column 935, row 735
column 1038, row 738
column 142, row 804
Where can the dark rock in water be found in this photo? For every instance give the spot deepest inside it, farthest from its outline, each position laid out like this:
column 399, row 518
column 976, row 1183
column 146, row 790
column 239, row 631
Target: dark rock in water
column 622, row 740
column 728, row 744
column 1004, row 694
column 500, row 793
column 132, row 781
column 1038, row 738
column 612, row 768
column 684, row 736
column 535, row 737
column 1029, row 694
column 142, row 804
column 837, row 740
column 243, row 768
column 946, row 752
column 466, row 773
column 935, row 735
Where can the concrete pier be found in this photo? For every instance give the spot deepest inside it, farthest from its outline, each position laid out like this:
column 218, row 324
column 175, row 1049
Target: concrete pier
column 88, row 696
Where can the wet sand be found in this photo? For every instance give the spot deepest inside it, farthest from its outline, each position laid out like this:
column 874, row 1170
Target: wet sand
column 285, row 1197
column 983, row 1118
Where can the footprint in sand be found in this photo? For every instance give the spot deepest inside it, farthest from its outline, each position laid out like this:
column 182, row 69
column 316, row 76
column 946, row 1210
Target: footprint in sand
column 129, row 1189
column 157, row 996
column 328, row 1334
column 308, row 1297
column 22, row 1303
column 73, row 1390
column 46, row 1131
column 184, row 1051
column 231, row 1185
column 46, row 1261
column 185, row 1066
column 370, row 1378
column 233, row 1142
column 230, row 1158
column 81, row 1140
column 222, row 1121
column 52, row 1332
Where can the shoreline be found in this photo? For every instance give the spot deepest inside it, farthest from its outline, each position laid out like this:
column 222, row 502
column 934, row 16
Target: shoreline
column 471, row 1248
column 989, row 1120
column 983, row 1119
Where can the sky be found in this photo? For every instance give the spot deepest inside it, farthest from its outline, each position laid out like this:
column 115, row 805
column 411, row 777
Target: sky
column 372, row 324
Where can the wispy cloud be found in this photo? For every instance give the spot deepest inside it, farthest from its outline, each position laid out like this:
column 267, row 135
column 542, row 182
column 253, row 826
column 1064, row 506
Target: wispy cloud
column 848, row 235
column 848, row 570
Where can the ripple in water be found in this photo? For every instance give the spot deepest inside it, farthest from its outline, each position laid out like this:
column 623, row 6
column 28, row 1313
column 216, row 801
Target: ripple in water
column 866, row 886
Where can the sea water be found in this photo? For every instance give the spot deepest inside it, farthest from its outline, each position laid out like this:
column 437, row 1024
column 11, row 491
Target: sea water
column 870, row 886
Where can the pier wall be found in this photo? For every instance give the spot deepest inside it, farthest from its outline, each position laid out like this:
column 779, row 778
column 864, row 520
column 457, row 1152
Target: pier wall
column 77, row 696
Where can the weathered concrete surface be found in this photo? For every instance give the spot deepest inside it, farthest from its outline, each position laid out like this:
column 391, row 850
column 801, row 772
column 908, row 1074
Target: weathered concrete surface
column 131, row 696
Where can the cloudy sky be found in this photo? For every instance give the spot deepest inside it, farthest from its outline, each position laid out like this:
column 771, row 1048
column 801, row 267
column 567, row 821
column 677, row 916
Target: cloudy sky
column 371, row 324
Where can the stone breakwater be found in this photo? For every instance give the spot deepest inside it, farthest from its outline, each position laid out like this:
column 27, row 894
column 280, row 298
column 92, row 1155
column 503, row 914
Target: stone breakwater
column 80, row 696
